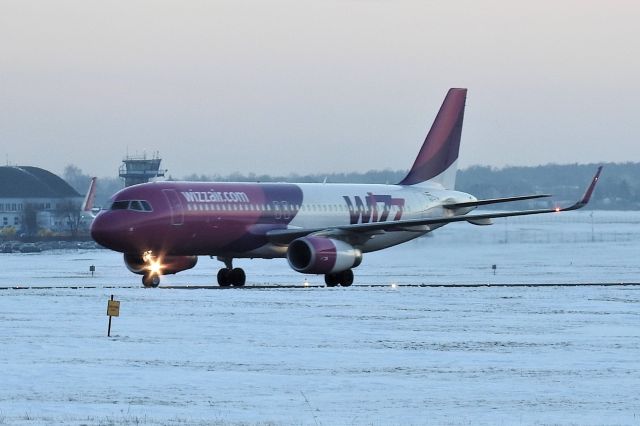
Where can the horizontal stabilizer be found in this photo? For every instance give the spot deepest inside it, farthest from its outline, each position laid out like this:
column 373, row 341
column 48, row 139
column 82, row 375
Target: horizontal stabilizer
column 493, row 201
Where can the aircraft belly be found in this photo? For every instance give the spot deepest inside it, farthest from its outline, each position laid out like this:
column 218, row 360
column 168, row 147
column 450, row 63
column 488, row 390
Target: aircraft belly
column 267, row 251
column 389, row 239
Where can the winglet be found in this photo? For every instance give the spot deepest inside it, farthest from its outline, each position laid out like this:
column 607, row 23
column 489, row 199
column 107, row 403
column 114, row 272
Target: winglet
column 587, row 195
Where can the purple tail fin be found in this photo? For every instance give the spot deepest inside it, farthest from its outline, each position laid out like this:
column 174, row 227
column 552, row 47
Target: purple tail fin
column 437, row 159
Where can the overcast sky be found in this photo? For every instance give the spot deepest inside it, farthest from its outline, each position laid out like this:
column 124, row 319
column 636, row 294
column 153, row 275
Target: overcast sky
column 314, row 86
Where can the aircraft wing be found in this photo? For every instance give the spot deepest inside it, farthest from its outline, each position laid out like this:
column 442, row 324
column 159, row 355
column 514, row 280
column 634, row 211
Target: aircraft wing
column 365, row 230
column 476, row 203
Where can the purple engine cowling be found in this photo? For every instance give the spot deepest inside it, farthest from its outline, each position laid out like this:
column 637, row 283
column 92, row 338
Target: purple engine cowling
column 169, row 264
column 318, row 255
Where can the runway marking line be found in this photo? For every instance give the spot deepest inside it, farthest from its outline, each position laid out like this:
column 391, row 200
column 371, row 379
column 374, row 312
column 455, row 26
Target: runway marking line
column 303, row 287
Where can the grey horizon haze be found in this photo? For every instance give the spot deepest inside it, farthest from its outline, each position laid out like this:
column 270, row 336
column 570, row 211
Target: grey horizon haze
column 307, row 86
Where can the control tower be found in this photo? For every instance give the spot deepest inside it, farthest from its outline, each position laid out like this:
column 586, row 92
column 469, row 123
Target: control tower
column 135, row 170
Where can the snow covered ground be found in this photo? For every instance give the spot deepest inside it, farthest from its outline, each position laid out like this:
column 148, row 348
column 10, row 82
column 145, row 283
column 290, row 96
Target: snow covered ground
column 361, row 355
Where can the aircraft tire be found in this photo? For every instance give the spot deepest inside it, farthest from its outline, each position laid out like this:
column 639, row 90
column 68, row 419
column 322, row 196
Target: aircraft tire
column 151, row 280
column 346, row 278
column 237, row 277
column 331, row 280
column 223, row 277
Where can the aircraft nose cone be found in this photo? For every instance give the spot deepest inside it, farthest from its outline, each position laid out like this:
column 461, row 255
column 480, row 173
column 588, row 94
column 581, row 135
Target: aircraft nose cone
column 104, row 231
column 97, row 230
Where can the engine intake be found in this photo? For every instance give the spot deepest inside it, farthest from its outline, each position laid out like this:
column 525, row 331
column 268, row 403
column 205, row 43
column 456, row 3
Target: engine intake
column 140, row 264
column 318, row 255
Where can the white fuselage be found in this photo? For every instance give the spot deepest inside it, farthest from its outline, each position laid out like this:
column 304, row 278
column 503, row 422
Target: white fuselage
column 333, row 205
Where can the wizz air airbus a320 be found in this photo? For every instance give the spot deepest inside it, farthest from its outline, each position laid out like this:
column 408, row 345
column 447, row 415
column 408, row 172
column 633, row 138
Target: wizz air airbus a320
column 162, row 227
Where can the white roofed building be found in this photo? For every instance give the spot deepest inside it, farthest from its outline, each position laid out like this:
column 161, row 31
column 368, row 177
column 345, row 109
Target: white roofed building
column 33, row 200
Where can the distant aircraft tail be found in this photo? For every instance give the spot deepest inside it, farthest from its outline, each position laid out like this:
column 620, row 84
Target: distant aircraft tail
column 437, row 161
column 90, row 197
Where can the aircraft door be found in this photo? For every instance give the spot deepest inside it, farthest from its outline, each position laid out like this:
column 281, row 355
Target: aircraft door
column 177, row 214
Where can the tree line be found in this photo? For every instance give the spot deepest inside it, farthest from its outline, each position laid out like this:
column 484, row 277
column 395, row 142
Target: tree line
column 618, row 189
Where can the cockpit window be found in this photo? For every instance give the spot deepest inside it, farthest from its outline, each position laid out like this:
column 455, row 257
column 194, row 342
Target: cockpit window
column 120, row 205
column 135, row 205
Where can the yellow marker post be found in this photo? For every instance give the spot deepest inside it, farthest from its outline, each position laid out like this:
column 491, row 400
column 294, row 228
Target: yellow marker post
column 113, row 310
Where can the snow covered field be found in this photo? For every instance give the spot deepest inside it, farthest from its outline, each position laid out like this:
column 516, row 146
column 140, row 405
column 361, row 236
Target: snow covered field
column 361, row 355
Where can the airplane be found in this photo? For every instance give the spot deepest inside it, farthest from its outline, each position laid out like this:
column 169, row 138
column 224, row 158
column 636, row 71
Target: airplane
column 87, row 210
column 320, row 228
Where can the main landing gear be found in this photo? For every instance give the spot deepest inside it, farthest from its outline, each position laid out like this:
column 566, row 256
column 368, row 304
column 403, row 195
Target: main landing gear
column 344, row 278
column 230, row 276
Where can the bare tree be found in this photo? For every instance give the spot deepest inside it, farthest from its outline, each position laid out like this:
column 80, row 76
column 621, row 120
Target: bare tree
column 72, row 216
column 29, row 220
column 74, row 176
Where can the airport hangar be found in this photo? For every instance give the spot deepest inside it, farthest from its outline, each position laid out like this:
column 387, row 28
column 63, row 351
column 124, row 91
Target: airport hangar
column 33, row 199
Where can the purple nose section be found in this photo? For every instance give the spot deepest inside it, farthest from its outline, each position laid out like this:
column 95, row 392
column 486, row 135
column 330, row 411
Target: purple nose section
column 108, row 232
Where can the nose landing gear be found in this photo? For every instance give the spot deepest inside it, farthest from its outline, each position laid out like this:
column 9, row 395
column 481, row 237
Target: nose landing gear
column 151, row 280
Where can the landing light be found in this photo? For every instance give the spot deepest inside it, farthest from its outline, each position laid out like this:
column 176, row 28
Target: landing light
column 557, row 209
column 394, row 286
column 306, row 283
column 155, row 267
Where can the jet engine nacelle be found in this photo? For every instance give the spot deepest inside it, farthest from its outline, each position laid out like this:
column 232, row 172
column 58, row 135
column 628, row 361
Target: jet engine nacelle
column 141, row 264
column 318, row 255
